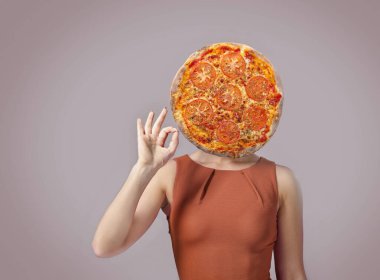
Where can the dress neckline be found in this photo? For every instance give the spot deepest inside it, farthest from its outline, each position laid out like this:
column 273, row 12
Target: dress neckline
column 225, row 170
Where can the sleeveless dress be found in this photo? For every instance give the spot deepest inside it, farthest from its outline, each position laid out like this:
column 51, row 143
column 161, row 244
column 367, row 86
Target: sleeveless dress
column 223, row 223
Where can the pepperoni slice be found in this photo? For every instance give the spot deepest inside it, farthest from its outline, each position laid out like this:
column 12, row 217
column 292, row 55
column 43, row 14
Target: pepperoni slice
column 258, row 87
column 275, row 99
column 255, row 117
column 228, row 132
column 203, row 75
column 249, row 54
column 232, row 65
column 198, row 111
column 229, row 97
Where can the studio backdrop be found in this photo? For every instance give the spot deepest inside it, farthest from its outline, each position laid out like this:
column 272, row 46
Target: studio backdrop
column 75, row 76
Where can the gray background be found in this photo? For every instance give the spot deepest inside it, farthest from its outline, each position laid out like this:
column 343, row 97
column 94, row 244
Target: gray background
column 73, row 82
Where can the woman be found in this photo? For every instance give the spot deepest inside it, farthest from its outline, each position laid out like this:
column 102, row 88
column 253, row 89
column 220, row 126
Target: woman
column 150, row 185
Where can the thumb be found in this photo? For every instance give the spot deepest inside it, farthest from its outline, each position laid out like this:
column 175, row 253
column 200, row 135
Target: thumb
column 163, row 135
column 174, row 142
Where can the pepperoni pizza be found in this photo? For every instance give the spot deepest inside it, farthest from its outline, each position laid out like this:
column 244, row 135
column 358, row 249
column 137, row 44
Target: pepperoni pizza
column 227, row 99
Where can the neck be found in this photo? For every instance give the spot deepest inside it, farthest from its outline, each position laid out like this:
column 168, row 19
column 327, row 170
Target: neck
column 220, row 160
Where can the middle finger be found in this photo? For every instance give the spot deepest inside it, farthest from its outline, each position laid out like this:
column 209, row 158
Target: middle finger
column 157, row 125
column 148, row 123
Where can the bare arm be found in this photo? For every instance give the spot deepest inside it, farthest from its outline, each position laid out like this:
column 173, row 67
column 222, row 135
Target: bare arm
column 288, row 251
column 136, row 205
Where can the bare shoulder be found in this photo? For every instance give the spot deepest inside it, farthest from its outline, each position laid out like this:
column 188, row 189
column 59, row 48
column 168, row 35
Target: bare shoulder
column 288, row 186
column 169, row 169
column 166, row 176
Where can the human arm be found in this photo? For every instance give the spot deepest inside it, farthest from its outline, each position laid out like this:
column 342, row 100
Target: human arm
column 137, row 203
column 288, row 251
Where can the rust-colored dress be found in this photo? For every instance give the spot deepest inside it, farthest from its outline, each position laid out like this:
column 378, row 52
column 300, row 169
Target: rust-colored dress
column 223, row 223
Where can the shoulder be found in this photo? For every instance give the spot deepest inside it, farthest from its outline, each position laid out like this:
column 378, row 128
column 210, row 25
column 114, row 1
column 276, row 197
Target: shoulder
column 289, row 188
column 166, row 173
column 170, row 167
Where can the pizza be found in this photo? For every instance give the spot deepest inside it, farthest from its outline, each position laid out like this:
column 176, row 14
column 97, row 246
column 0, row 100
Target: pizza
column 227, row 99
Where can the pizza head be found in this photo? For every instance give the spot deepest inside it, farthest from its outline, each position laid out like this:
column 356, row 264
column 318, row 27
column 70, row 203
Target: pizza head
column 227, row 99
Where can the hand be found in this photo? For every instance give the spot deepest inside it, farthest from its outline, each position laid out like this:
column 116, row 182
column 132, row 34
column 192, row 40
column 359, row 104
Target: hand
column 151, row 141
